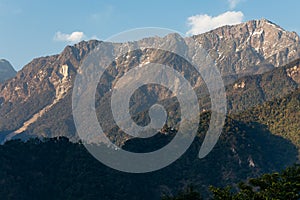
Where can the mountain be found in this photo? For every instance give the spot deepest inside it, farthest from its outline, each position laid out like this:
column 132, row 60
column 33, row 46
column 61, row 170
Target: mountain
column 37, row 101
column 251, row 91
column 253, row 47
column 259, row 140
column 281, row 116
column 260, row 65
column 6, row 70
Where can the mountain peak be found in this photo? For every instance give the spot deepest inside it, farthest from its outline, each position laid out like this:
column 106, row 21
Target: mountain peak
column 266, row 21
column 6, row 70
column 261, row 40
column 265, row 24
column 3, row 61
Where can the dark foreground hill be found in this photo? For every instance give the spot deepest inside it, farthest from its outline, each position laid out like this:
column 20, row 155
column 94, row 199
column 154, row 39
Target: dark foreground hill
column 58, row 169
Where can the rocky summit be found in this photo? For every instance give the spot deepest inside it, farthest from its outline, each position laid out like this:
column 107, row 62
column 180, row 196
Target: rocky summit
column 250, row 48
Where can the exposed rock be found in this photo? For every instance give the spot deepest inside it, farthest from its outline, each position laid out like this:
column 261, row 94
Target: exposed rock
column 294, row 73
column 250, row 48
column 237, row 85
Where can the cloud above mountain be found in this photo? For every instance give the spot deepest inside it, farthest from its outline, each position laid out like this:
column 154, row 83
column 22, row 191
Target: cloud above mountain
column 72, row 37
column 202, row 23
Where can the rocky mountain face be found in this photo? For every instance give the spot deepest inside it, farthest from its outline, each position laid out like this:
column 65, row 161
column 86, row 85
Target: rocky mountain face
column 37, row 101
column 6, row 70
column 251, row 91
column 251, row 48
column 39, row 86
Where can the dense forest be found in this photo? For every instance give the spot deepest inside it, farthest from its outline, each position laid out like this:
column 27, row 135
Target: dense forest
column 278, row 185
column 59, row 169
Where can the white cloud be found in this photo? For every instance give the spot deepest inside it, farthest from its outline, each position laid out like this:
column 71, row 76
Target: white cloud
column 233, row 3
column 73, row 37
column 203, row 23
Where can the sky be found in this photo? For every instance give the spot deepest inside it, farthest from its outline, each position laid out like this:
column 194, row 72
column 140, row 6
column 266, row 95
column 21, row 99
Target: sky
column 34, row 28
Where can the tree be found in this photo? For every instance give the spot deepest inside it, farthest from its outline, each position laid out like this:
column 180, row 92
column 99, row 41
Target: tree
column 284, row 185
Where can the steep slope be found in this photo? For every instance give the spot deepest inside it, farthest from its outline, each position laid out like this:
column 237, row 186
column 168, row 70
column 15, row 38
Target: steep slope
column 37, row 101
column 39, row 86
column 251, row 91
column 6, row 70
column 244, row 94
column 249, row 48
column 281, row 116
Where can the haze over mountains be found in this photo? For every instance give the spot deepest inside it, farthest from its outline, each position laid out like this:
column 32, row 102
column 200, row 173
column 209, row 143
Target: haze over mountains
column 37, row 101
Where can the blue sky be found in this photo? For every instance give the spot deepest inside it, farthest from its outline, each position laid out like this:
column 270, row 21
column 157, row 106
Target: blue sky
column 34, row 28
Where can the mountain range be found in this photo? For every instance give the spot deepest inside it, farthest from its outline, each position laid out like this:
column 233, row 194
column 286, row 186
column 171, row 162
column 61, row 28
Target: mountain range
column 250, row 56
column 260, row 65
